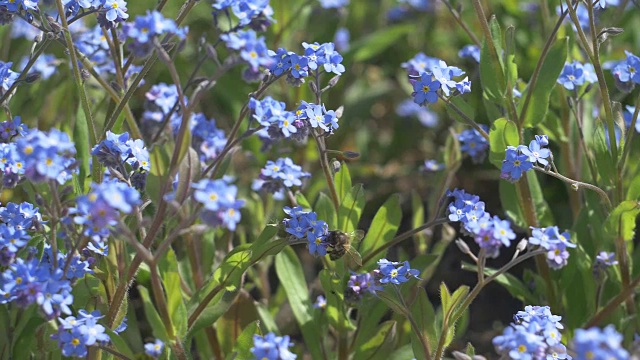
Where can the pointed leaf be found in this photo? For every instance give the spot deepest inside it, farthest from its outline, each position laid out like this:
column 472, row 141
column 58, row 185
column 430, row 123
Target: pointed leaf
column 291, row 276
column 383, row 227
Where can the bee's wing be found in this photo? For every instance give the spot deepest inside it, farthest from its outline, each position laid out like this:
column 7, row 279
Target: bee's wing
column 354, row 255
column 357, row 235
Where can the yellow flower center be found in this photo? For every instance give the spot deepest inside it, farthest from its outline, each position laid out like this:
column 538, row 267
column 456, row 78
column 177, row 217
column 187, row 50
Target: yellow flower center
column 426, row 88
column 75, row 342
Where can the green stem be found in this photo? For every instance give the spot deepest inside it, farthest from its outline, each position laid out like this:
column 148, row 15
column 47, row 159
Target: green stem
column 86, row 108
column 613, row 304
column 630, row 133
column 464, row 116
column 578, row 184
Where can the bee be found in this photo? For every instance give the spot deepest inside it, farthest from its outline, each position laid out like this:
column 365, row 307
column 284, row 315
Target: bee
column 340, row 243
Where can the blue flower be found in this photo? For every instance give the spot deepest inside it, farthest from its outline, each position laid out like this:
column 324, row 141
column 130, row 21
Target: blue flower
column 536, row 153
column 221, row 206
column 272, row 347
column 396, row 275
column 299, row 66
column 154, row 349
column 572, row 76
column 146, row 27
column 333, row 4
column 533, row 335
column 341, row 39
column 628, row 70
column 116, row 10
column 595, row 343
column 470, row 52
column 279, row 175
column 321, row 302
column 280, row 61
column 333, row 60
column 474, row 144
column 515, row 164
column 425, row 90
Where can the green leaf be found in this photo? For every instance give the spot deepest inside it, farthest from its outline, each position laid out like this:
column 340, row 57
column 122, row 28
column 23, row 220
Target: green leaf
column 418, row 219
column 241, row 314
column 119, row 344
column 244, row 343
column 218, row 306
column 540, row 93
column 605, row 164
column 491, row 69
column 342, row 182
column 291, row 276
column 379, row 41
column 175, row 305
column 325, row 210
column 383, row 227
column 302, row 201
column 380, row 344
column 503, row 133
column 157, row 326
column 424, row 316
column 83, row 150
column 510, row 67
column 621, row 223
column 23, row 346
column 335, row 301
column 351, row 208
column 445, row 298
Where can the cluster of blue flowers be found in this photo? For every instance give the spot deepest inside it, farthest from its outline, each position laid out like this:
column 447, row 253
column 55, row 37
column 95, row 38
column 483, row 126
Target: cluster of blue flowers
column 430, row 75
column 110, row 12
column 534, row 334
column 303, row 224
column 555, row 243
column 278, row 176
column 101, row 209
column 272, row 347
column 395, row 272
column 119, row 153
column 46, row 282
column 490, row 233
column 16, row 221
column 76, row 334
column 159, row 101
column 316, row 57
column 207, row 139
column 521, row 159
column 147, row 27
column 472, row 143
column 42, row 156
column 278, row 122
column 595, row 343
column 576, row 74
column 221, row 206
column 253, row 50
column 254, row 13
